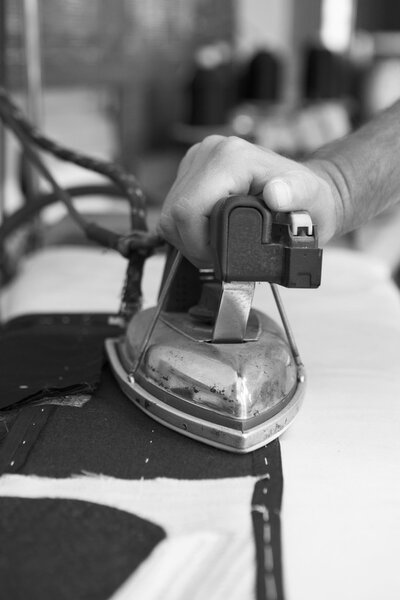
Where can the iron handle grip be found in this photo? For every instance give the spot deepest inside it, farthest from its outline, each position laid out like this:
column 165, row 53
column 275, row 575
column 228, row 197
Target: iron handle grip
column 251, row 243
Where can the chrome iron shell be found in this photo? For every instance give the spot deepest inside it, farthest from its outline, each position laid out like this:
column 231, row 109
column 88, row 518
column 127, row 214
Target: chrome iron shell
column 235, row 396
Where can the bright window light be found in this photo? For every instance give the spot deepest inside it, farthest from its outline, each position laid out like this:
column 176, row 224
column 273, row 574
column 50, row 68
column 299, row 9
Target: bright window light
column 337, row 24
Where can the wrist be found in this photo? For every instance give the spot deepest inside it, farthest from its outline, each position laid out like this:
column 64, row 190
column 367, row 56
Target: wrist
column 335, row 195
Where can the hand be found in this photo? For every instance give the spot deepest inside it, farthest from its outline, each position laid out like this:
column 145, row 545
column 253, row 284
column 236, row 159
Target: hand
column 219, row 167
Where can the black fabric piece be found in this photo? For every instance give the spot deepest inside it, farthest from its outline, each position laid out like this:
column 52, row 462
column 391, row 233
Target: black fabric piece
column 69, row 549
column 110, row 435
column 7, row 418
column 266, row 506
column 51, row 355
column 21, row 438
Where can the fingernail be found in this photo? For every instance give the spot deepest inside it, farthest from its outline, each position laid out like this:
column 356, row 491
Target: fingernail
column 279, row 193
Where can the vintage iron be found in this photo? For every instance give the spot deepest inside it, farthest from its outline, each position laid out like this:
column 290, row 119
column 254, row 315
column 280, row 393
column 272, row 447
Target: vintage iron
column 203, row 361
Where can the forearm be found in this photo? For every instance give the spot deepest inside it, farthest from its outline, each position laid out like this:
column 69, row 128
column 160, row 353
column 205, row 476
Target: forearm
column 364, row 170
column 342, row 185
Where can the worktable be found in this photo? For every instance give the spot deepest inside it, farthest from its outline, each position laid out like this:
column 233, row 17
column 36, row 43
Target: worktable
column 341, row 502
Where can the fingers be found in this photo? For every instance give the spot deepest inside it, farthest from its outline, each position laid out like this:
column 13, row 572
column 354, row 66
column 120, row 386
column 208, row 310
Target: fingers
column 207, row 174
column 193, row 234
column 219, row 167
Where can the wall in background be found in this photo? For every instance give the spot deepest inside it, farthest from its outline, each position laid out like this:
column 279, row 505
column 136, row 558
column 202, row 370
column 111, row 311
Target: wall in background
column 262, row 25
column 284, row 26
column 141, row 50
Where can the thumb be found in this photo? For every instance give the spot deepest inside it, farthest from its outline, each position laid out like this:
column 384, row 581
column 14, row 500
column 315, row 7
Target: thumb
column 294, row 189
column 302, row 189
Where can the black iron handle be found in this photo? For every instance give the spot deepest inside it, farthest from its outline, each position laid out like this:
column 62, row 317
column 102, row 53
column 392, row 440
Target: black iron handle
column 251, row 243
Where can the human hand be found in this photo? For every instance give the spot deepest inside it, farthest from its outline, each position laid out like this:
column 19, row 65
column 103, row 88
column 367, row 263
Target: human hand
column 219, row 167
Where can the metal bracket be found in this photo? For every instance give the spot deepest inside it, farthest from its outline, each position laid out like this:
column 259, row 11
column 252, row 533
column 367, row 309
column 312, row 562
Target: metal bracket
column 233, row 313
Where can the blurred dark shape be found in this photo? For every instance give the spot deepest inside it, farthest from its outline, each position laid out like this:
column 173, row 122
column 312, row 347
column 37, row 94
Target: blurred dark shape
column 378, row 16
column 262, row 77
column 327, row 75
column 211, row 90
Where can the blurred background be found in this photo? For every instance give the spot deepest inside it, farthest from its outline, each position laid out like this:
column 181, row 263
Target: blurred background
column 139, row 81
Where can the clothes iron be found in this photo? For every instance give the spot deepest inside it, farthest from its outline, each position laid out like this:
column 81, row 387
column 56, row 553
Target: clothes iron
column 203, row 361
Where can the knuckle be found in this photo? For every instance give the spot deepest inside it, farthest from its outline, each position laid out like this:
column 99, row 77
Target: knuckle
column 212, row 140
column 192, row 150
column 164, row 225
column 179, row 214
column 235, row 142
column 230, row 147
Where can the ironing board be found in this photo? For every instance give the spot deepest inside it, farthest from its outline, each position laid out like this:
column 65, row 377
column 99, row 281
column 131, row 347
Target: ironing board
column 341, row 501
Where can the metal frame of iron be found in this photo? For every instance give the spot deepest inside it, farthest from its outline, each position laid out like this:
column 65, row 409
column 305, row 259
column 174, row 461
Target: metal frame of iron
column 205, row 431
column 208, row 431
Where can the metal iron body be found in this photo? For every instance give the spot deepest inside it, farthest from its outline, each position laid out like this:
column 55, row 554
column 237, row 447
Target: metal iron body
column 215, row 369
column 233, row 396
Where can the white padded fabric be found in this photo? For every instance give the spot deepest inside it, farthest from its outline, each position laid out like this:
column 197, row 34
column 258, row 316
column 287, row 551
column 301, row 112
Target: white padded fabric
column 341, row 457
